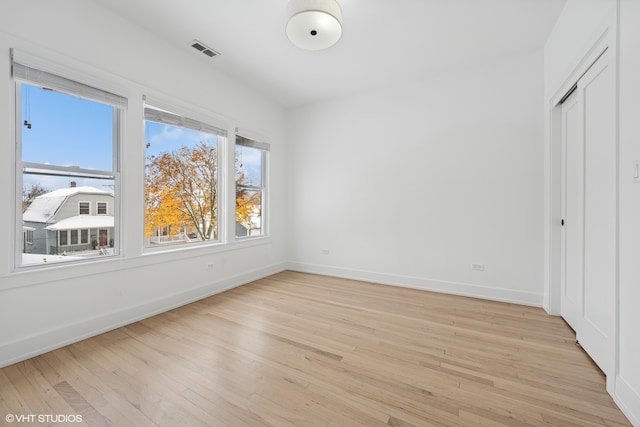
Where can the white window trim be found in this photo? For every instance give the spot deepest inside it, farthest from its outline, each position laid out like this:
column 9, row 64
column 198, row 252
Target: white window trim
column 28, row 237
column 88, row 236
column 77, row 232
column 175, row 114
column 22, row 63
column 106, row 208
column 66, row 233
column 80, row 203
column 245, row 141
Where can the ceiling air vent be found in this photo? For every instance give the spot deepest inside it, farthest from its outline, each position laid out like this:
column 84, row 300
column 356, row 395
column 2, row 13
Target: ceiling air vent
column 204, row 48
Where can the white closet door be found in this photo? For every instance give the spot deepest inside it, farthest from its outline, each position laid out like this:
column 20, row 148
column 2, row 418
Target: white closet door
column 573, row 212
column 596, row 90
column 591, row 211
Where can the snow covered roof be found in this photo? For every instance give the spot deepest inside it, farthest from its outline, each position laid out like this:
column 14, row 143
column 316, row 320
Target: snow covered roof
column 83, row 221
column 44, row 207
column 70, row 191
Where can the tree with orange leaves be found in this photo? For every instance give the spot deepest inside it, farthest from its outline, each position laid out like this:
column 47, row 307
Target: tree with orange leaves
column 182, row 191
column 248, row 200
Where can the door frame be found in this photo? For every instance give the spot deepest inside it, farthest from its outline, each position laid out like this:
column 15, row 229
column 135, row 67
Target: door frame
column 553, row 182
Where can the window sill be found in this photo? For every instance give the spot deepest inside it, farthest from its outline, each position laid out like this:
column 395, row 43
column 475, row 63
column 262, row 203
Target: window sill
column 33, row 276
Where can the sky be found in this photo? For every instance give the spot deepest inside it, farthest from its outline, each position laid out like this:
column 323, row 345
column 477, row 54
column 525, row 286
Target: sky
column 167, row 138
column 66, row 131
column 69, row 131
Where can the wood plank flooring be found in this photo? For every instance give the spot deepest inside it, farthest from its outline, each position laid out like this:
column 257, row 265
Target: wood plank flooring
column 297, row 349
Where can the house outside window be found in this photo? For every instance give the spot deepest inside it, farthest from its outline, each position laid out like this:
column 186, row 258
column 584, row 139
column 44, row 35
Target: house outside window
column 61, row 122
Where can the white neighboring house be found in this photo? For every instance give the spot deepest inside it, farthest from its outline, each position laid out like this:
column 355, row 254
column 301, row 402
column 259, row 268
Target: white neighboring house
column 69, row 221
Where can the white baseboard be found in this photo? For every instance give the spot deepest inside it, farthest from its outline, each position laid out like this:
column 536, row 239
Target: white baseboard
column 455, row 288
column 61, row 336
column 628, row 400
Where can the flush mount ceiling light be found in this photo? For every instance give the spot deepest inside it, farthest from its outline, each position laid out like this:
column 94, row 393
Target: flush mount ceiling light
column 314, row 24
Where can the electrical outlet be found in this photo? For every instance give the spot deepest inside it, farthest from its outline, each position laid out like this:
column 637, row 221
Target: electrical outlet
column 210, row 265
column 325, row 252
column 477, row 267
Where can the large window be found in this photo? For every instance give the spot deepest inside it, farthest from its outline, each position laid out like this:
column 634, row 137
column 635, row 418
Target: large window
column 250, row 174
column 181, row 180
column 67, row 139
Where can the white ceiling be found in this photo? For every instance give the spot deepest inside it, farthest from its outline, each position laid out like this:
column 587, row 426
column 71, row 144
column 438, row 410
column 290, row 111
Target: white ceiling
column 383, row 41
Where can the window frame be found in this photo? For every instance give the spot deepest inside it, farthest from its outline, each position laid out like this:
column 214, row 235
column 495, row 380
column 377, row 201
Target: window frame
column 73, row 234
column 157, row 111
column 88, row 234
column 106, row 208
column 265, row 149
column 63, row 242
column 86, row 205
column 35, row 72
column 28, row 237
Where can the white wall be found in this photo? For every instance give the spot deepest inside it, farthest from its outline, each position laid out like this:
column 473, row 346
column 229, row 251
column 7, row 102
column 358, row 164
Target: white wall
column 45, row 309
column 407, row 185
column 628, row 381
column 415, row 182
column 577, row 29
column 583, row 25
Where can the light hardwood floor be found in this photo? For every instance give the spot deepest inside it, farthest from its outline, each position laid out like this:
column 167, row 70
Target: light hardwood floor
column 297, row 349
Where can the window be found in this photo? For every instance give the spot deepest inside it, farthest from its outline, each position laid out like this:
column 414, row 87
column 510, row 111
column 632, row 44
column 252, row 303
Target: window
column 73, row 238
column 250, row 172
column 84, row 237
column 28, row 237
column 61, row 122
column 84, row 208
column 102, row 208
column 181, row 180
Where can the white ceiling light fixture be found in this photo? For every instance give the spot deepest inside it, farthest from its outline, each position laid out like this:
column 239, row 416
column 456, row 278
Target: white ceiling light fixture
column 314, row 24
